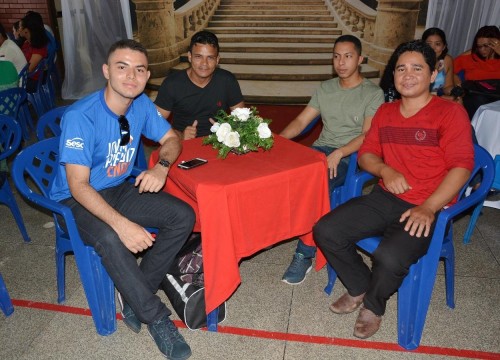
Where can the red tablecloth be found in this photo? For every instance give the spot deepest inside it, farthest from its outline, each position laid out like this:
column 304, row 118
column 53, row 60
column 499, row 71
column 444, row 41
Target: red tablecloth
column 245, row 203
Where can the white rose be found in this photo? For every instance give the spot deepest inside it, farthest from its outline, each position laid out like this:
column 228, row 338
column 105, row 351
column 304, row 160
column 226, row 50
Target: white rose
column 241, row 113
column 232, row 139
column 222, row 131
column 215, row 127
column 264, row 131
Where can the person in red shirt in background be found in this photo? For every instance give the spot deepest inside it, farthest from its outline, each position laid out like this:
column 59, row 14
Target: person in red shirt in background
column 421, row 149
column 35, row 48
column 480, row 69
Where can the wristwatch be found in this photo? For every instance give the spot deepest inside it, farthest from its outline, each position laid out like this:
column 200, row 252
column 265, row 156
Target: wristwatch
column 164, row 163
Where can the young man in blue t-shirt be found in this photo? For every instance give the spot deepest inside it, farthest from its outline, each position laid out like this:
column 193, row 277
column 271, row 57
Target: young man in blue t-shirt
column 99, row 141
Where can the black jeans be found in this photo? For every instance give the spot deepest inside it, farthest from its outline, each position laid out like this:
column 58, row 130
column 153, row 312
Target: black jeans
column 138, row 283
column 375, row 214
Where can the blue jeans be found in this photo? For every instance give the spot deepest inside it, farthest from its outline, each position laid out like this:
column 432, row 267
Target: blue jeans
column 138, row 283
column 310, row 251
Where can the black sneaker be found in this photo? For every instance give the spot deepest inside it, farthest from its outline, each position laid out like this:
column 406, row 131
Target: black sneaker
column 168, row 339
column 128, row 316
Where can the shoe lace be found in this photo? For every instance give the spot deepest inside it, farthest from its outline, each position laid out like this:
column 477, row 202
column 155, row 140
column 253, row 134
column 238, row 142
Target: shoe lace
column 171, row 333
column 297, row 262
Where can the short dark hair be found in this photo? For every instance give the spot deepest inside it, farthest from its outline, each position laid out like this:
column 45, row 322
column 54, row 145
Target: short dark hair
column 489, row 31
column 206, row 38
column 420, row 47
column 441, row 34
column 126, row 44
column 16, row 25
column 352, row 39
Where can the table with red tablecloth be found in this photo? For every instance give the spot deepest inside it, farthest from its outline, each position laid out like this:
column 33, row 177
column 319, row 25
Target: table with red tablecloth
column 245, row 203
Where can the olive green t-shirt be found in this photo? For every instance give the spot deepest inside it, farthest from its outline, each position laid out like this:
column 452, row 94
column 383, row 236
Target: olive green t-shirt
column 343, row 111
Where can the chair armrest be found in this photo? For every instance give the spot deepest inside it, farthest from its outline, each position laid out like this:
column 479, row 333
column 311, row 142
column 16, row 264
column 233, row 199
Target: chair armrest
column 355, row 185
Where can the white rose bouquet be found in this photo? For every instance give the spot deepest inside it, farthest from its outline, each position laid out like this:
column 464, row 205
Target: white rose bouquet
column 241, row 131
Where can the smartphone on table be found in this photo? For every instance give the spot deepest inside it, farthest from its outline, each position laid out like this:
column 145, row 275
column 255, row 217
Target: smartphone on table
column 186, row 165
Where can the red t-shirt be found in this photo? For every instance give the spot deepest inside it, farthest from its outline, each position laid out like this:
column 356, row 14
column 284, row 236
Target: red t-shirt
column 477, row 69
column 29, row 51
column 423, row 147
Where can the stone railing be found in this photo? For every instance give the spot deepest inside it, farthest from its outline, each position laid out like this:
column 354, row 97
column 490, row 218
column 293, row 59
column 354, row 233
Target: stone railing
column 381, row 30
column 192, row 17
column 357, row 17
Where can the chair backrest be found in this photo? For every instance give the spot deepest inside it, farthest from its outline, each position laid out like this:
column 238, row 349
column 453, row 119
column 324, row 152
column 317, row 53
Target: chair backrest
column 23, row 76
column 10, row 136
column 40, row 162
column 309, row 126
column 49, row 124
column 485, row 167
column 11, row 100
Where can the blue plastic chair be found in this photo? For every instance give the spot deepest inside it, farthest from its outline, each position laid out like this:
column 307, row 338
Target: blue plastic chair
column 49, row 124
column 11, row 103
column 477, row 210
column 38, row 98
column 39, row 163
column 339, row 195
column 5, row 301
column 10, row 139
column 414, row 295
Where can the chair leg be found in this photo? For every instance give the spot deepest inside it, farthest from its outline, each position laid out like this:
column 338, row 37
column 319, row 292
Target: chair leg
column 332, row 277
column 5, row 302
column 212, row 320
column 63, row 246
column 414, row 297
column 99, row 290
column 7, row 197
column 448, row 254
column 472, row 222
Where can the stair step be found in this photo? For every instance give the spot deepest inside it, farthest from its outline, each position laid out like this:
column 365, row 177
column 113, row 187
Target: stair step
column 271, row 17
column 283, row 72
column 274, row 31
column 266, row 38
column 261, row 11
column 273, row 58
column 276, row 47
column 247, row 7
column 258, row 23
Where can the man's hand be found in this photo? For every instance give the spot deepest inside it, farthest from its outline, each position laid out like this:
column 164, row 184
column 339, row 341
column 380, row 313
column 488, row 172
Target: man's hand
column 152, row 180
column 190, row 131
column 333, row 161
column 135, row 237
column 394, row 181
column 419, row 219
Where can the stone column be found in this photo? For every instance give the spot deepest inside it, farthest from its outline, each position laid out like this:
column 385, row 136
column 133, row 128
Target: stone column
column 396, row 23
column 156, row 31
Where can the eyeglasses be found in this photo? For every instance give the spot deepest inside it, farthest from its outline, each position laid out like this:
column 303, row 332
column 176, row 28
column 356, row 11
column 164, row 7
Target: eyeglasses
column 124, row 130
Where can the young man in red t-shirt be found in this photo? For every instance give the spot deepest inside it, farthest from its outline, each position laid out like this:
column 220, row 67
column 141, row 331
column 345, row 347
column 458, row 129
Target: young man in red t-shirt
column 421, row 149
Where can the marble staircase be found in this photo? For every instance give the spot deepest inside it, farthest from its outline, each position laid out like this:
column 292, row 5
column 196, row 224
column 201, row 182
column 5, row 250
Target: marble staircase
column 280, row 50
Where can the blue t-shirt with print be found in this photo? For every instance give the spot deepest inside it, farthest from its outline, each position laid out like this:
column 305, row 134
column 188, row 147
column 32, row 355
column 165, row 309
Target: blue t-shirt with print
column 91, row 137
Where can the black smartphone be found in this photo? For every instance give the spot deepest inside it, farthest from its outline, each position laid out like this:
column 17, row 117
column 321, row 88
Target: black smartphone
column 186, row 165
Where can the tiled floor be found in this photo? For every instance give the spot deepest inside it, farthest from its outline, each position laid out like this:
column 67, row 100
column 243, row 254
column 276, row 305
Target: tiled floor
column 267, row 319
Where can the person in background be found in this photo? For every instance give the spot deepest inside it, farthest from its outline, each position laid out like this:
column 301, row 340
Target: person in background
column 195, row 95
column 347, row 104
column 18, row 38
column 10, row 51
column 9, row 78
column 444, row 84
column 387, row 81
column 35, row 48
column 98, row 145
column 420, row 148
column 480, row 68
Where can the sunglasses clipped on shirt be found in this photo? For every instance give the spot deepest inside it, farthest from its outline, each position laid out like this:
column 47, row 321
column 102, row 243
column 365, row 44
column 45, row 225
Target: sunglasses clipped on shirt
column 124, row 130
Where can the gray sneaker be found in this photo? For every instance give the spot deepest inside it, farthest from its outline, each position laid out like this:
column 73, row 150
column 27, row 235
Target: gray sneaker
column 168, row 339
column 298, row 269
column 128, row 316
